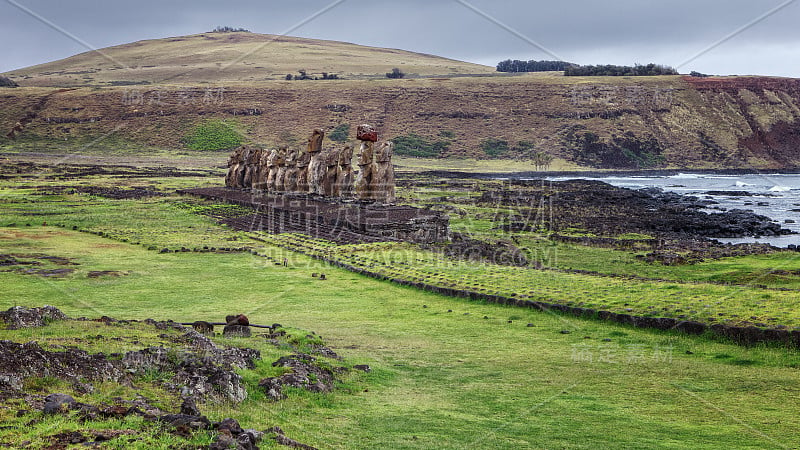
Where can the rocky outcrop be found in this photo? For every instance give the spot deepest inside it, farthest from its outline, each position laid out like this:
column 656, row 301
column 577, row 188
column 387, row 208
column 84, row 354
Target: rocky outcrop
column 607, row 211
column 305, row 374
column 21, row 317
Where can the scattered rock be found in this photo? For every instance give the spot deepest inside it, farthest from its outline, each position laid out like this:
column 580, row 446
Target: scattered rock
column 116, row 411
column 362, row 367
column 30, row 359
column 230, row 425
column 324, row 351
column 58, row 403
column 304, row 375
column 62, row 440
column 223, row 441
column 21, row 317
column 189, row 421
column 208, row 375
column 189, row 407
column 565, row 332
column 10, row 383
column 231, row 435
column 281, row 439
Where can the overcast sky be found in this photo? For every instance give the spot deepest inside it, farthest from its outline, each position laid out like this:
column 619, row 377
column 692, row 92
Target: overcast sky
column 710, row 36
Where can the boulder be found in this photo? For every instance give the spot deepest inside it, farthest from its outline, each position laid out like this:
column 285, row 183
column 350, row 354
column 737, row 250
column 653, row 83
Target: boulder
column 58, row 403
column 21, row 317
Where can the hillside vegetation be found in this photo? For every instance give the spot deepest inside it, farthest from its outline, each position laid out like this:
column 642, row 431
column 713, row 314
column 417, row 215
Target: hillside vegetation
column 441, row 109
column 232, row 57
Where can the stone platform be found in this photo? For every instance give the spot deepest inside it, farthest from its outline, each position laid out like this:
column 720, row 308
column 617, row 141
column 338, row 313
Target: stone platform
column 341, row 221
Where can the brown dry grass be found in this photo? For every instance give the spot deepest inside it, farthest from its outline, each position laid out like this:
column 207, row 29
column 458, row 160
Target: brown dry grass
column 231, row 58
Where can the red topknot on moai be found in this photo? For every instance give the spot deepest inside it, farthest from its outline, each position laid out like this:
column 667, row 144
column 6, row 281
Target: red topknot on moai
column 376, row 175
column 368, row 136
column 366, row 133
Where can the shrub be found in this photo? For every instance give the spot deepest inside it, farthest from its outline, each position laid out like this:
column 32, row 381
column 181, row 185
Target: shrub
column 340, row 133
column 213, row 135
column 415, row 145
column 395, row 73
column 7, row 82
column 494, row 147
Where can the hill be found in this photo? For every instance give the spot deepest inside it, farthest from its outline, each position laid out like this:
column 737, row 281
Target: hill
column 232, row 57
column 629, row 123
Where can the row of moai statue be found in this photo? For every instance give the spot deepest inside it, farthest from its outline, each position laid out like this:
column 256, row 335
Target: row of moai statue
column 326, row 172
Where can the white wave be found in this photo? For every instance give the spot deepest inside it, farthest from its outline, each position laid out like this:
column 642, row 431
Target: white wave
column 743, row 184
column 686, row 176
column 780, row 189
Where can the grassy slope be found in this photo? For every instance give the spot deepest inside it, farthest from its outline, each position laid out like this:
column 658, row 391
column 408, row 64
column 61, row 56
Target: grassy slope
column 443, row 380
column 233, row 57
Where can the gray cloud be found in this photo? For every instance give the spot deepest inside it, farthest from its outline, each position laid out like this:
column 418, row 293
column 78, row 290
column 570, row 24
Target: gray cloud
column 582, row 31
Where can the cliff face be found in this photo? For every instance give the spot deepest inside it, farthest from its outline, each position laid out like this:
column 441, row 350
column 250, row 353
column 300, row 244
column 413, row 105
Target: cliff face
column 626, row 123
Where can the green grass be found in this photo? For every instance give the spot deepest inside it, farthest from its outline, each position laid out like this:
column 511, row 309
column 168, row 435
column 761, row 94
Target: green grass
column 461, row 379
column 441, row 379
column 752, row 269
column 213, row 135
column 157, row 223
column 704, row 302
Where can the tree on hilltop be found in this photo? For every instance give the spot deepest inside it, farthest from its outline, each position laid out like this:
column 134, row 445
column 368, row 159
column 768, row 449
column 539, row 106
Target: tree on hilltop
column 517, row 65
column 227, row 29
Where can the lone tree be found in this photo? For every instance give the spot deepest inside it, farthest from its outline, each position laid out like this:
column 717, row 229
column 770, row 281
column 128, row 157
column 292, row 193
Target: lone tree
column 395, row 73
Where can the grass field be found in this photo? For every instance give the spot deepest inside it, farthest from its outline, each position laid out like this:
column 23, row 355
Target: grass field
column 441, row 379
column 446, row 372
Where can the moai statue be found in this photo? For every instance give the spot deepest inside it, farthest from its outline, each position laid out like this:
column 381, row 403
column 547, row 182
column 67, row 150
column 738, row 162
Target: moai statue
column 234, row 161
column 280, row 172
column 263, row 170
column 317, row 166
column 302, row 172
column 344, row 173
column 367, row 135
column 251, row 167
column 272, row 170
column 241, row 168
column 332, row 164
column 383, row 173
column 290, row 177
